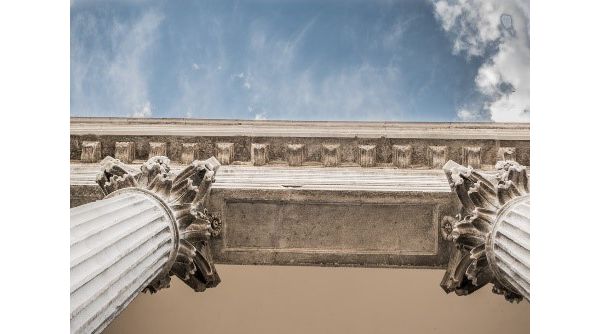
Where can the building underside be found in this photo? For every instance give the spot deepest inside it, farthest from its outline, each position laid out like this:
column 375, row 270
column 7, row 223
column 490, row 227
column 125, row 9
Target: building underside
column 402, row 195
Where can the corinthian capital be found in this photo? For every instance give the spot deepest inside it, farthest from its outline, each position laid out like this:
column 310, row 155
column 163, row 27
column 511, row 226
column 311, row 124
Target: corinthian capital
column 185, row 195
column 491, row 233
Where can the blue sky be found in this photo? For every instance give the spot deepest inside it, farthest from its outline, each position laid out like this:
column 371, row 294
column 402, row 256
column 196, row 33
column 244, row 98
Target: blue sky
column 301, row 60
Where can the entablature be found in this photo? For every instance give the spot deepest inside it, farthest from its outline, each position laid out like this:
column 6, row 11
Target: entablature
column 301, row 143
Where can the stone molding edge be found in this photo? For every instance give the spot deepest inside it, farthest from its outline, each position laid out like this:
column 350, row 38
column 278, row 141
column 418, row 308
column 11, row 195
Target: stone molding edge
column 484, row 198
column 281, row 128
column 184, row 195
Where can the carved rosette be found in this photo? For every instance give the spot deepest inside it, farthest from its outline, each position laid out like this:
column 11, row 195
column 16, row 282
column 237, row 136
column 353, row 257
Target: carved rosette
column 485, row 199
column 184, row 194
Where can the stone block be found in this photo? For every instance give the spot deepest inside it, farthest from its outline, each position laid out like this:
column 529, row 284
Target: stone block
column 157, row 149
column 402, row 155
column 125, row 151
column 507, row 153
column 225, row 153
column 295, row 154
column 471, row 156
column 91, row 151
column 437, row 156
column 259, row 154
column 330, row 155
column 189, row 152
column 366, row 155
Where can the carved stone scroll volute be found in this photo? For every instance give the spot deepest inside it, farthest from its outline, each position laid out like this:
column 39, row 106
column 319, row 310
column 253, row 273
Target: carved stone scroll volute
column 185, row 195
column 484, row 199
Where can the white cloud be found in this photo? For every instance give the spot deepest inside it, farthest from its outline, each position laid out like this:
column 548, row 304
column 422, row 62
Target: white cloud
column 260, row 116
column 477, row 30
column 467, row 115
column 144, row 112
column 112, row 79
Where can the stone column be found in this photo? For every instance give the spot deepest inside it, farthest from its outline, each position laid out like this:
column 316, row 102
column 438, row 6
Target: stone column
column 491, row 234
column 150, row 225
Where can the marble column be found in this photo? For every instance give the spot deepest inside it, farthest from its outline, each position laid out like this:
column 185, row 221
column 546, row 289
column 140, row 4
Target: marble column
column 151, row 225
column 508, row 247
column 491, row 233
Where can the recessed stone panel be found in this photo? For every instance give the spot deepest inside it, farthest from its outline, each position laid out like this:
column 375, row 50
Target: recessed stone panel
column 402, row 229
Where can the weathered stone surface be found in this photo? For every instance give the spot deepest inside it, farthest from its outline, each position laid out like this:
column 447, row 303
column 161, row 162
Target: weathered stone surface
column 367, row 155
column 189, row 152
column 331, row 155
column 75, row 145
column 295, row 154
column 157, row 149
column 125, row 151
column 259, row 154
column 471, row 156
column 437, row 156
column 345, row 217
column 507, row 153
column 84, row 193
column 91, row 151
column 225, row 153
column 402, row 155
column 348, row 229
column 332, row 227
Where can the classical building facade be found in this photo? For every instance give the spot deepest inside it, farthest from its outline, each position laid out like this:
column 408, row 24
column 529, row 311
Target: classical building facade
column 155, row 198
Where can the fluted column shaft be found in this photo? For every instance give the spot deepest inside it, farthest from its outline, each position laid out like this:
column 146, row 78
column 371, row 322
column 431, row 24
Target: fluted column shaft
column 508, row 246
column 118, row 246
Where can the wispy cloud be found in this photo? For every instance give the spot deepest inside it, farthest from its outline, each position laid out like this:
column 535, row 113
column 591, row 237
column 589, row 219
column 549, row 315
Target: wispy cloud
column 109, row 76
column 498, row 31
column 306, row 60
column 273, row 85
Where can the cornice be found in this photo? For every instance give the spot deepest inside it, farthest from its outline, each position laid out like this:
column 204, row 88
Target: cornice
column 275, row 128
column 301, row 144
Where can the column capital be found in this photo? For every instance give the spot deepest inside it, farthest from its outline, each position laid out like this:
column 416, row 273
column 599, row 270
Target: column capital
column 184, row 195
column 484, row 198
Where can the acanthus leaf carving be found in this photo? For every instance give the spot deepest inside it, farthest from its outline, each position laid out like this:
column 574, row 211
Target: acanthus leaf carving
column 482, row 197
column 185, row 194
